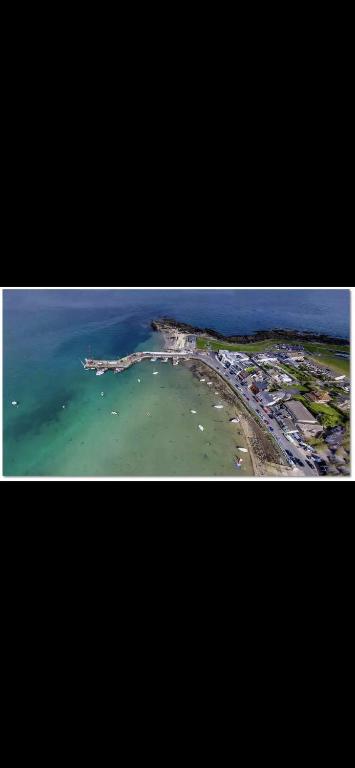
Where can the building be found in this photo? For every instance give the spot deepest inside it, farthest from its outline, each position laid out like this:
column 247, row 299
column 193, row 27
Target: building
column 287, row 425
column 318, row 397
column 268, row 399
column 236, row 359
column 266, row 359
column 282, row 378
column 261, row 384
column 296, row 356
column 310, row 430
column 344, row 405
column 254, row 388
column 233, row 358
column 299, row 413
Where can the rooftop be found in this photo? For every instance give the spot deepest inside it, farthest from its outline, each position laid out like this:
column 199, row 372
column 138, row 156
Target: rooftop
column 299, row 412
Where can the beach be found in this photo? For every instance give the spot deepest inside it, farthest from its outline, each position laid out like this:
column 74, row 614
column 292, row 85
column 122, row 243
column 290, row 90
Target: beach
column 133, row 429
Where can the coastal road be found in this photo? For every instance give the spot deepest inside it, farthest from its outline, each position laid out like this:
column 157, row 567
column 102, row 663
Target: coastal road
column 256, row 408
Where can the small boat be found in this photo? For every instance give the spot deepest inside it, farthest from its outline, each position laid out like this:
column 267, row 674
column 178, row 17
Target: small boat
column 193, row 411
column 102, row 394
column 201, row 427
column 209, row 383
column 175, row 362
column 153, row 359
column 216, row 393
column 117, row 370
column 63, row 406
column 139, row 381
column 114, row 413
column 202, row 379
column 234, row 421
column 218, row 406
column 243, row 450
column 165, row 360
column 155, row 373
column 100, row 373
column 14, row 402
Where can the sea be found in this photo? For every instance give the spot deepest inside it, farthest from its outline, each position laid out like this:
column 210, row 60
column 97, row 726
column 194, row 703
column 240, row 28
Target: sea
column 63, row 425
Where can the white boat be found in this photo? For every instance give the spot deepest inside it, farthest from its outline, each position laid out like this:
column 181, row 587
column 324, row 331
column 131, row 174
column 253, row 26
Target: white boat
column 209, row 383
column 139, row 381
column 218, row 406
column 114, row 413
column 100, row 373
column 155, row 373
column 102, row 394
column 243, row 450
column 193, row 411
column 201, row 427
column 235, row 421
column 153, row 359
column 165, row 360
column 202, row 379
column 175, row 362
column 14, row 402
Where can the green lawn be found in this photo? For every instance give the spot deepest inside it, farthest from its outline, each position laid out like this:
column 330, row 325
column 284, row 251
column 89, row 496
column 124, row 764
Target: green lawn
column 260, row 346
column 328, row 416
column 338, row 364
column 322, row 353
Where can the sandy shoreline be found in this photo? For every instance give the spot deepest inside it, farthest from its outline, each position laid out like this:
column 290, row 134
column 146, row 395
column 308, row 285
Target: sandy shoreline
column 265, row 457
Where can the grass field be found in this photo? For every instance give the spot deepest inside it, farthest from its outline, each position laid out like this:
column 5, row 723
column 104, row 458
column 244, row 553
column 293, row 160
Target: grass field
column 323, row 354
column 328, row 416
column 260, row 346
column 338, row 364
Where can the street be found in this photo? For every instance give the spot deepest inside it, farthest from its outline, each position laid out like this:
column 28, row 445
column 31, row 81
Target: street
column 256, row 408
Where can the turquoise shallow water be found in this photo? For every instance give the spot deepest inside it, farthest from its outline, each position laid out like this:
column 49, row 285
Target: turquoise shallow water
column 46, row 333
column 153, row 434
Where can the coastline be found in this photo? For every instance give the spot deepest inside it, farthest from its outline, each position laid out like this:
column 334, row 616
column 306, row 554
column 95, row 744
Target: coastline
column 171, row 327
column 266, row 459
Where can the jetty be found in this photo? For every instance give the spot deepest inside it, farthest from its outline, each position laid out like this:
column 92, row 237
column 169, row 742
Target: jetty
column 122, row 363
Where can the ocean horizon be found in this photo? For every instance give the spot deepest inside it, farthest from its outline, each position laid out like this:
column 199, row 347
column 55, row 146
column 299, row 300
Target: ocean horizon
column 64, row 424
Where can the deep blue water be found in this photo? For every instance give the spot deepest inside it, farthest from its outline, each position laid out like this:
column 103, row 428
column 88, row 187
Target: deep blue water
column 47, row 332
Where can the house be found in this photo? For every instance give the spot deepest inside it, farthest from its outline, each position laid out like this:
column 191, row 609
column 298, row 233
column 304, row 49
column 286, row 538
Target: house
column 266, row 359
column 344, row 405
column 318, row 397
column 233, row 358
column 282, row 378
column 299, row 413
column 268, row 399
column 261, row 384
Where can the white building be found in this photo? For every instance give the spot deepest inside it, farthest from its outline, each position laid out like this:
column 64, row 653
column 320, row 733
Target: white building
column 269, row 399
column 266, row 359
column 282, row 378
column 234, row 358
